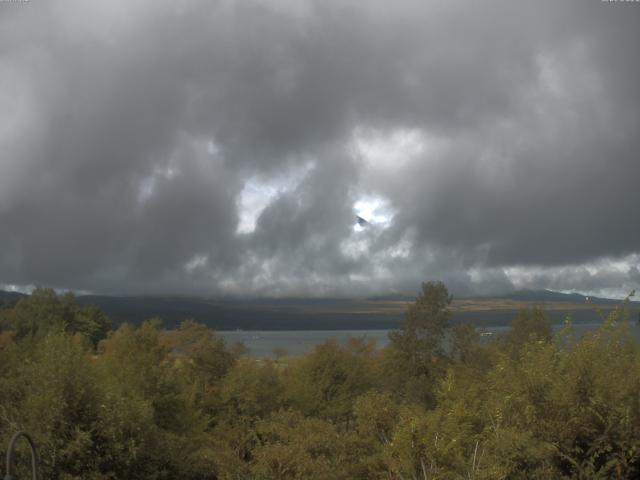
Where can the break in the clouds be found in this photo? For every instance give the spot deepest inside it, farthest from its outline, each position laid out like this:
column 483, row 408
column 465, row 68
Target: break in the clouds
column 228, row 147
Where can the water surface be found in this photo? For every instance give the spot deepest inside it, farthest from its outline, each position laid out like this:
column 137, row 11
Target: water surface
column 298, row 342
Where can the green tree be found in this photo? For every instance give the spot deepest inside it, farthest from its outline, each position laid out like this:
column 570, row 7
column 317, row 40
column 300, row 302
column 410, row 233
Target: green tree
column 51, row 392
column 415, row 357
column 529, row 325
column 326, row 382
column 208, row 358
column 577, row 400
column 295, row 447
column 252, row 389
column 377, row 415
column 44, row 311
column 150, row 427
column 91, row 322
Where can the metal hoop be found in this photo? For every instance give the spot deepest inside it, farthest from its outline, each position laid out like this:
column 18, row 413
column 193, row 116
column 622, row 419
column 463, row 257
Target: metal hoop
column 34, row 456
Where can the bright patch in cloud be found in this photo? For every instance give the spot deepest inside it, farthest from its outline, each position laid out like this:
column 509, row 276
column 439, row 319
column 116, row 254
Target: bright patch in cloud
column 17, row 288
column 392, row 150
column 375, row 210
column 258, row 192
column 197, row 261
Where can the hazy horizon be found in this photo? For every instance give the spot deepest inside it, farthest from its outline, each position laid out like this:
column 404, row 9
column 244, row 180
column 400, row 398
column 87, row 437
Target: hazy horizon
column 536, row 295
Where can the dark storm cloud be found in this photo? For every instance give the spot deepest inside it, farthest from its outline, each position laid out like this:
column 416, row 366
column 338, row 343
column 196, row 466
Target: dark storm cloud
column 504, row 137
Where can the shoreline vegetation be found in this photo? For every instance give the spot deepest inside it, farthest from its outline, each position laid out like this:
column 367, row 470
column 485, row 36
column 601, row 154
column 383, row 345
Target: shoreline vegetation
column 105, row 400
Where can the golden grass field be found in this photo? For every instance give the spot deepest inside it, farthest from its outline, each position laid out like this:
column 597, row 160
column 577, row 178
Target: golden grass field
column 458, row 305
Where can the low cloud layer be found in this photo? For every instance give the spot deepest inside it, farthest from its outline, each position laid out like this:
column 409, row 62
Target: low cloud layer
column 226, row 147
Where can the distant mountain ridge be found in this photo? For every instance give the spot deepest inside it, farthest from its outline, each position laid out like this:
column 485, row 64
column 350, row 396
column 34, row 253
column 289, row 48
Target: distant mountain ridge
column 525, row 295
column 10, row 296
column 544, row 296
column 380, row 312
column 553, row 296
column 536, row 296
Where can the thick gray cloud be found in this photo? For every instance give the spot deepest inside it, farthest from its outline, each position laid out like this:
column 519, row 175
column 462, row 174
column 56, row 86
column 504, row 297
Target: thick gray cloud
column 225, row 147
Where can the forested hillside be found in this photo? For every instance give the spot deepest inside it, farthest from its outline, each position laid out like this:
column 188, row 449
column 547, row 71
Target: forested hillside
column 146, row 403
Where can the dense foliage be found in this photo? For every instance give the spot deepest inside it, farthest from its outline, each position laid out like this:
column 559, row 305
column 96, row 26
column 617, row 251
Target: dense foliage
column 437, row 403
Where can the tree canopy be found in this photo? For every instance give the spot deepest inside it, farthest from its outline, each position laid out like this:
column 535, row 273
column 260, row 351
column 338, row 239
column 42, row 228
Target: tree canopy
column 439, row 402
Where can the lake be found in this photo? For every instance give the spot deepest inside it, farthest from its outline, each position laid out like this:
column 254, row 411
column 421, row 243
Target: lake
column 298, row 342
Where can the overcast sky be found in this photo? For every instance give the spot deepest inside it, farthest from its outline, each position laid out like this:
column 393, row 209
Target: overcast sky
column 214, row 148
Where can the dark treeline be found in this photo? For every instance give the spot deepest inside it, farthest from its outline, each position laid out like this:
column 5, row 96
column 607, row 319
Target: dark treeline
column 146, row 403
